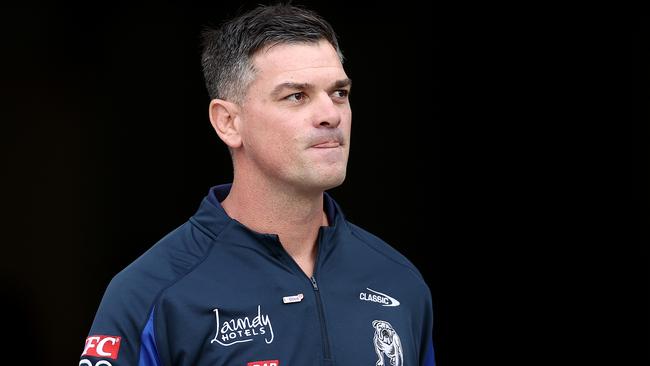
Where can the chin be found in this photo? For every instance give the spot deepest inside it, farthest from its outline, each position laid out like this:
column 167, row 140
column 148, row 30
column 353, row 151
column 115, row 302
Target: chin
column 319, row 178
column 331, row 180
column 330, row 185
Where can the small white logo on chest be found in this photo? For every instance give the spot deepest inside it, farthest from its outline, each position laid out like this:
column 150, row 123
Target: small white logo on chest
column 378, row 297
column 292, row 299
column 238, row 330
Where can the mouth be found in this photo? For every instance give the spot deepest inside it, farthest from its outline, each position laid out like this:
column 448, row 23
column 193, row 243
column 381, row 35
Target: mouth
column 327, row 145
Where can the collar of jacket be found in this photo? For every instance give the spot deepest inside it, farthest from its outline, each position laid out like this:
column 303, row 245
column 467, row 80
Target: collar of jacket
column 212, row 217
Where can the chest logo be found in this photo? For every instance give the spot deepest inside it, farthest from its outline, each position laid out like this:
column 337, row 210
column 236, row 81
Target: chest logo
column 387, row 344
column 243, row 329
column 378, row 297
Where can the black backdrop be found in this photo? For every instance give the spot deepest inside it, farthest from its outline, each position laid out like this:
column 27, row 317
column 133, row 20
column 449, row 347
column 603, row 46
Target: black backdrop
column 109, row 147
column 486, row 148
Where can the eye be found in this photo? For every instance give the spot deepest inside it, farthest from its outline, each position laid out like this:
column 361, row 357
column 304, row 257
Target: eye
column 341, row 93
column 295, row 97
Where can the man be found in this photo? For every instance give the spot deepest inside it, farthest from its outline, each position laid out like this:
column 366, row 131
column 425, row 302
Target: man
column 268, row 271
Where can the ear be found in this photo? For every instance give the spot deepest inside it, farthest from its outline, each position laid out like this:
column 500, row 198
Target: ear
column 223, row 116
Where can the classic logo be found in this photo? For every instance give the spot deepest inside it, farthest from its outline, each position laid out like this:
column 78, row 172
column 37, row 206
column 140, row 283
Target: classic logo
column 378, row 297
column 239, row 330
column 264, row 363
column 102, row 346
column 387, row 344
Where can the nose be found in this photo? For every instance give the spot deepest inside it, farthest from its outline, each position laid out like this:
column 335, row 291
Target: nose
column 327, row 113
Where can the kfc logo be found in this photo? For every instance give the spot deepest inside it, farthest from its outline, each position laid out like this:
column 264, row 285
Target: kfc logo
column 264, row 363
column 102, row 346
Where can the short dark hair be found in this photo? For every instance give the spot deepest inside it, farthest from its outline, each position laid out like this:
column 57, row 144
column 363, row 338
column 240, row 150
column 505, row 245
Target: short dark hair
column 228, row 50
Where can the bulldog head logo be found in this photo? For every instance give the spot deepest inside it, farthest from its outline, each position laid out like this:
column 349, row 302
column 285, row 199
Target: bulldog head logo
column 387, row 344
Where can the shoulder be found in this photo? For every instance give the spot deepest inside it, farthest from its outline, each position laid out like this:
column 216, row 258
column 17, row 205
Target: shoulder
column 127, row 308
column 134, row 290
column 385, row 250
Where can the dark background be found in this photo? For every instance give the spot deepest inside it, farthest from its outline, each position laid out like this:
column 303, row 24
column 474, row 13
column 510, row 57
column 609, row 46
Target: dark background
column 504, row 155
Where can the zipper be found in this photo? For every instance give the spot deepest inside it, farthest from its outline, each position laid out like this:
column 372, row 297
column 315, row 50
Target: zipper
column 327, row 354
column 321, row 317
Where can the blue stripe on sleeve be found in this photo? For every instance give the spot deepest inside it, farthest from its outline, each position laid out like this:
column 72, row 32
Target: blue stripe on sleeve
column 148, row 350
column 429, row 360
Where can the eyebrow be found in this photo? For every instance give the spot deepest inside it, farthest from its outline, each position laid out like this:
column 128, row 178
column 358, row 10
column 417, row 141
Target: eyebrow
column 304, row 86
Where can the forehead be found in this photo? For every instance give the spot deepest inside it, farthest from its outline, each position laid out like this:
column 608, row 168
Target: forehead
column 299, row 62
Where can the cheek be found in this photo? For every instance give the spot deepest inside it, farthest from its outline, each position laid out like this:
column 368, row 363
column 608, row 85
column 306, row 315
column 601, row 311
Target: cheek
column 272, row 136
column 346, row 121
column 272, row 145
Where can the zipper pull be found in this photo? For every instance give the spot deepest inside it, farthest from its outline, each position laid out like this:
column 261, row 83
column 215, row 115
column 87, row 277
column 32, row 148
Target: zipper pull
column 313, row 283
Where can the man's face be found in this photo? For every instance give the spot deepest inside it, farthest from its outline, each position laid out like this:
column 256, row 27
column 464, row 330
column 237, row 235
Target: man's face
column 296, row 116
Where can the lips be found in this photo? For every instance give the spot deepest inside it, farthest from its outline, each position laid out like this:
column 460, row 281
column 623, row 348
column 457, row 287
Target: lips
column 327, row 144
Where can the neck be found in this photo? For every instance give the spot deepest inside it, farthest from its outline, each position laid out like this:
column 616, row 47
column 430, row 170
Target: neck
column 294, row 216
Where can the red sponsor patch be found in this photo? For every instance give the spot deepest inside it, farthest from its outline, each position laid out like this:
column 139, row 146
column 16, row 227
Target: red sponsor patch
column 264, row 363
column 102, row 346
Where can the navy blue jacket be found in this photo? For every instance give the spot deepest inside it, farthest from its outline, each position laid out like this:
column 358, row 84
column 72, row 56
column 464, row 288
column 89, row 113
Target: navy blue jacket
column 213, row 292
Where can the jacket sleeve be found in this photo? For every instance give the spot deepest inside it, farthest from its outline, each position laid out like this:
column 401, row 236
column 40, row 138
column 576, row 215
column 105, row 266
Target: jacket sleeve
column 426, row 346
column 122, row 332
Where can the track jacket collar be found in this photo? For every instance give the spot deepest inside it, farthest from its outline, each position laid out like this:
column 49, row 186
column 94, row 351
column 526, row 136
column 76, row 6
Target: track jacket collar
column 213, row 217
